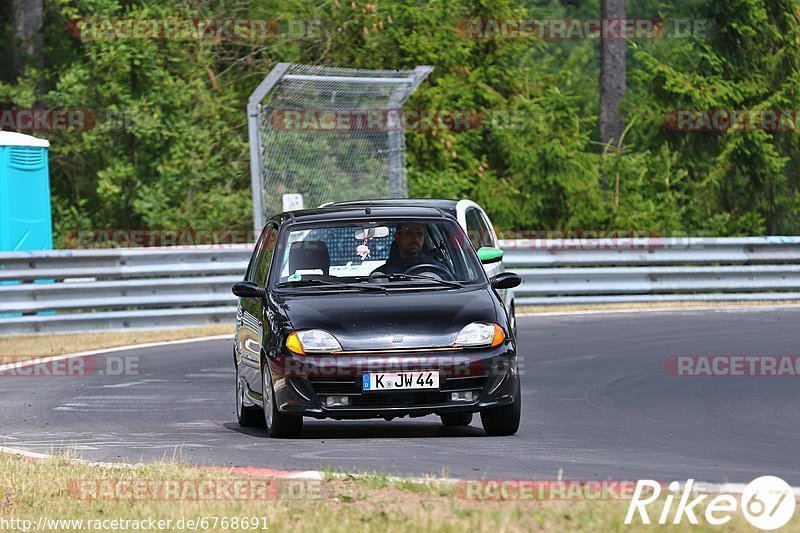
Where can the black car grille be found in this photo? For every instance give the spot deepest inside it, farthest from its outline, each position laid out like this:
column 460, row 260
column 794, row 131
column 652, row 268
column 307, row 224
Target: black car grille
column 334, row 385
column 459, row 383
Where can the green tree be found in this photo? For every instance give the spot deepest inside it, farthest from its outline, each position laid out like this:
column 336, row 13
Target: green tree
column 739, row 180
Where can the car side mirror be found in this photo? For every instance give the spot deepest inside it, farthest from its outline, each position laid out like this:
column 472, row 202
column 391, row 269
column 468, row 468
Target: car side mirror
column 248, row 289
column 506, row 280
column 489, row 255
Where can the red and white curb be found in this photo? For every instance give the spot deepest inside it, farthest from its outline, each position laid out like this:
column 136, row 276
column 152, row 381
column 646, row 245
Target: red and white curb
column 704, row 487
column 244, row 470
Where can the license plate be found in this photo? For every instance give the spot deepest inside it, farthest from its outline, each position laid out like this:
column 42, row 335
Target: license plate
column 385, row 381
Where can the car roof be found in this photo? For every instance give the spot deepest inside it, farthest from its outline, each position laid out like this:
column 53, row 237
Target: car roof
column 448, row 206
column 354, row 212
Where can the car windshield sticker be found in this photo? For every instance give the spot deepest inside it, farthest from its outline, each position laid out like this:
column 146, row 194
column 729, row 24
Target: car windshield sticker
column 295, row 277
column 363, row 250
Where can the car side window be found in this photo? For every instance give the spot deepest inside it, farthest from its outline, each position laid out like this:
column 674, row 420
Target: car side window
column 257, row 250
column 478, row 230
column 265, row 258
column 486, row 232
column 473, row 228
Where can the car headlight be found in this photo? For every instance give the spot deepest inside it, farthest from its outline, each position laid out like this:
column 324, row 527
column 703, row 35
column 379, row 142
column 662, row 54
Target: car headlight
column 480, row 334
column 312, row 341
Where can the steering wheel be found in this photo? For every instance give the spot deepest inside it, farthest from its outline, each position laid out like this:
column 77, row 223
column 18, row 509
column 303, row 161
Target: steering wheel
column 433, row 268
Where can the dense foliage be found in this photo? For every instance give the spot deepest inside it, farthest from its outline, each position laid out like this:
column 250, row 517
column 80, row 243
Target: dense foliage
column 170, row 147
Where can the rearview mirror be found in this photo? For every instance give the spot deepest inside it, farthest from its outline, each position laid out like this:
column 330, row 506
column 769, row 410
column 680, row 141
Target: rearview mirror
column 372, row 233
column 489, row 255
column 248, row 289
column 506, row 280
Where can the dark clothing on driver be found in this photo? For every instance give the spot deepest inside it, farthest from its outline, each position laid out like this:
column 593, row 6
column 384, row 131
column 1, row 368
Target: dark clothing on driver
column 397, row 265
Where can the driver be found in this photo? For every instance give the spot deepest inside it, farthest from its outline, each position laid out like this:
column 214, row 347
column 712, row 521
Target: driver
column 407, row 250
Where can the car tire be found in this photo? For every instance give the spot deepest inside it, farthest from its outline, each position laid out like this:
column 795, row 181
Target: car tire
column 456, row 419
column 503, row 421
column 279, row 425
column 247, row 416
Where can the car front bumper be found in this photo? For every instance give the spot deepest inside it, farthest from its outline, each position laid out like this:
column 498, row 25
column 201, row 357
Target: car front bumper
column 302, row 383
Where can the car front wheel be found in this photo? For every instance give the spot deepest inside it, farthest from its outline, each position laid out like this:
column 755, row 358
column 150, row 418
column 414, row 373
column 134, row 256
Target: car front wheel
column 279, row 425
column 503, row 421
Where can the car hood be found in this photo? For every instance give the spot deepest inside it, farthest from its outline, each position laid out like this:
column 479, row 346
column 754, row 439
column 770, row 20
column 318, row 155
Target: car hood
column 391, row 320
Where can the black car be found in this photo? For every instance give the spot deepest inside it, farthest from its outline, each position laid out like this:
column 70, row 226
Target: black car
column 472, row 219
column 373, row 311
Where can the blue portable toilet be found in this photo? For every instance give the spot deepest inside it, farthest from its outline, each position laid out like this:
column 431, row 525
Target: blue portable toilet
column 25, row 222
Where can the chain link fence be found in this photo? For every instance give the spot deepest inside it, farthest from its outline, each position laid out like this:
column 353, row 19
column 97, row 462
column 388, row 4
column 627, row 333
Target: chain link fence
column 330, row 134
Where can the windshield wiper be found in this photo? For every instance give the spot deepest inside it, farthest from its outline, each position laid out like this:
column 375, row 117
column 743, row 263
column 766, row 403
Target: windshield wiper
column 404, row 277
column 321, row 283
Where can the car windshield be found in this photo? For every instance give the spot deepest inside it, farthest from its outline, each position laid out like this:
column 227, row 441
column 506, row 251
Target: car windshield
column 385, row 253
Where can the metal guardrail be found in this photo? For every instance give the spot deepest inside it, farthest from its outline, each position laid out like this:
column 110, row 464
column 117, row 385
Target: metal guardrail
column 558, row 272
column 84, row 290
column 87, row 290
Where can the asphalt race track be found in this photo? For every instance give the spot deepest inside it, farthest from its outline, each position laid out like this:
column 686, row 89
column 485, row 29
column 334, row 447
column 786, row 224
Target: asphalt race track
column 597, row 404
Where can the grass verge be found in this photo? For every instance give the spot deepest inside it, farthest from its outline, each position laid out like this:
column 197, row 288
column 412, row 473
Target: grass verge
column 61, row 489
column 43, row 345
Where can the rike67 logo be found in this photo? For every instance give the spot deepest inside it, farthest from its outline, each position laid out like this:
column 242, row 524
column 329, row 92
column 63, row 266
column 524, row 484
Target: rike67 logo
column 767, row 503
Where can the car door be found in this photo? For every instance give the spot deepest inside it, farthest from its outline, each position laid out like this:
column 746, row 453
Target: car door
column 250, row 314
